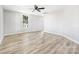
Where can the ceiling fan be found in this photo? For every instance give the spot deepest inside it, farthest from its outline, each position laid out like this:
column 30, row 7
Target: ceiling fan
column 37, row 8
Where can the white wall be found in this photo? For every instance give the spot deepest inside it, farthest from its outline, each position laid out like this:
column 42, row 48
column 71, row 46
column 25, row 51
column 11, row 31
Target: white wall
column 35, row 23
column 1, row 24
column 13, row 23
column 65, row 21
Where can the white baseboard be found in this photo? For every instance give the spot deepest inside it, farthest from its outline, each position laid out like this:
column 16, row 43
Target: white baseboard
column 19, row 33
column 13, row 33
column 65, row 37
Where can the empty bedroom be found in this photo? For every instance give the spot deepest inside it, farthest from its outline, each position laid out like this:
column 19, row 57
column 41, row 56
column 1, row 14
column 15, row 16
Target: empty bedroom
column 39, row 29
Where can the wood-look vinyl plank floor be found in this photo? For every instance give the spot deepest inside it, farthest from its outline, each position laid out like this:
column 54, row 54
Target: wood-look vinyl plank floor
column 38, row 43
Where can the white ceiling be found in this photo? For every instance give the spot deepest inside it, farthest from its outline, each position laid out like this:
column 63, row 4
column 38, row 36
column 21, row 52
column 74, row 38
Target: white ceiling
column 28, row 8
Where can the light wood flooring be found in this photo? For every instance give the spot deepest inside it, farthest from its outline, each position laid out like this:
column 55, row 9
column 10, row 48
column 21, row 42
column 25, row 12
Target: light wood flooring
column 38, row 43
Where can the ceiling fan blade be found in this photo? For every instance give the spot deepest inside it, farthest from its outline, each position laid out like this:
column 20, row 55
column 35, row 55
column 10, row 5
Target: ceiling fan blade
column 38, row 10
column 41, row 8
column 35, row 6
